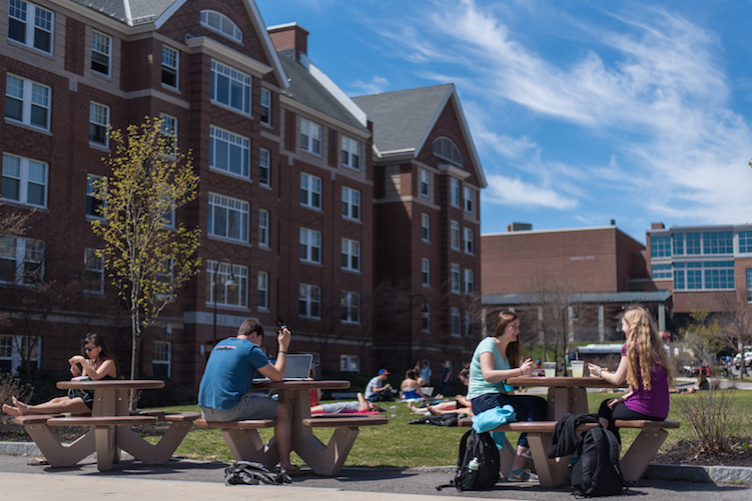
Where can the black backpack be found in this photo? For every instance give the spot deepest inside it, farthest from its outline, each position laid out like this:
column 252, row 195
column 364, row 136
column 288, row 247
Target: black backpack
column 480, row 446
column 446, row 419
column 252, row 473
column 596, row 470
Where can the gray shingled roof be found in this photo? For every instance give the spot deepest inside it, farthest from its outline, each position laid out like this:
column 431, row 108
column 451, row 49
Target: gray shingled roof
column 629, row 297
column 402, row 119
column 305, row 89
column 141, row 10
column 112, row 8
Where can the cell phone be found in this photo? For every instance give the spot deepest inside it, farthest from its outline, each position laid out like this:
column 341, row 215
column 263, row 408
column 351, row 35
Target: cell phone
column 281, row 323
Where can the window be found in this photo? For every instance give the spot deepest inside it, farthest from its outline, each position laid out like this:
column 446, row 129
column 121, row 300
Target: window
column 99, row 121
column 310, row 246
column 169, row 134
column 425, row 318
column 707, row 275
column 425, row 183
column 265, row 107
column 694, row 240
column 94, row 204
column 161, row 364
column 24, row 181
column 469, row 325
column 93, row 272
column 221, row 24
column 454, row 275
column 454, row 231
column 678, row 243
column 232, row 294
column 37, row 35
column 21, row 260
column 469, row 200
column 350, row 203
column 469, row 281
column 170, row 62
column 350, row 153
column 349, row 363
column 350, row 304
column 456, row 322
column 310, row 137
column 263, row 228
column 14, row 350
column 265, row 163
column 164, row 278
column 350, row 255
column 661, row 271
column 230, row 87
column 309, row 301
column 469, row 241
column 228, row 218
column 745, row 242
column 660, row 247
column 425, row 272
column 101, row 49
column 721, row 242
column 425, row 227
column 454, row 192
column 749, row 284
column 27, row 102
column 229, row 152
column 262, row 289
column 310, row 191
column 444, row 148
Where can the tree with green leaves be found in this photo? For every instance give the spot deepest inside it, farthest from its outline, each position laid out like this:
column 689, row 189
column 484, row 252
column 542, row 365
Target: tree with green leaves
column 148, row 256
column 702, row 335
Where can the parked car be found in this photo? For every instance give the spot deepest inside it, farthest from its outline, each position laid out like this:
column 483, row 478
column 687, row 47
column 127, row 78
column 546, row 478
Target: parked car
column 747, row 359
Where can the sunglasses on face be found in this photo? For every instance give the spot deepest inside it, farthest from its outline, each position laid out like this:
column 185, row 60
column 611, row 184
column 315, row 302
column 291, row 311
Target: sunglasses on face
column 87, row 349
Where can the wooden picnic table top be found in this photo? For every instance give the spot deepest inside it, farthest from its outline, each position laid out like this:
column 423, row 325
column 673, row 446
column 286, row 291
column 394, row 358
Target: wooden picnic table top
column 118, row 384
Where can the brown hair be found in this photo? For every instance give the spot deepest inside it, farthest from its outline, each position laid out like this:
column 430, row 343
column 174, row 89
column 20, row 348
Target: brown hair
column 250, row 326
column 104, row 351
column 503, row 319
column 644, row 347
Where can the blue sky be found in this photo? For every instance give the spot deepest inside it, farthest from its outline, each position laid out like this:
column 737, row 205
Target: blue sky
column 581, row 111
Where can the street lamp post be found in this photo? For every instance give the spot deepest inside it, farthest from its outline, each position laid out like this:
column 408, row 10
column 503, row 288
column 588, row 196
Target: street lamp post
column 423, row 310
column 230, row 283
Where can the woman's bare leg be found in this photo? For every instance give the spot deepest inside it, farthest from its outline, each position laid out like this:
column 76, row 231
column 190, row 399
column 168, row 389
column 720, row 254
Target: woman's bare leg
column 54, row 406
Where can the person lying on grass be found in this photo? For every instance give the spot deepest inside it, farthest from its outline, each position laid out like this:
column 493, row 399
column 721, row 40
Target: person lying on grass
column 360, row 406
column 460, row 404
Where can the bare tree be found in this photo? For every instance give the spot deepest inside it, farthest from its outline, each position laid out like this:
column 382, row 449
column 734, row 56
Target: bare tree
column 736, row 322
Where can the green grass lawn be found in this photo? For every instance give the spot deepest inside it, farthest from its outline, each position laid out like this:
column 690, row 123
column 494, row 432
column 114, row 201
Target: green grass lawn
column 399, row 444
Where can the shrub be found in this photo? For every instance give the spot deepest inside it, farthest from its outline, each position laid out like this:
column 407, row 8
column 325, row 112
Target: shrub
column 13, row 387
column 710, row 417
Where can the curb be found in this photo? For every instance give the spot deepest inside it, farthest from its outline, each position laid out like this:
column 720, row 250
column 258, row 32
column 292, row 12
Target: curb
column 31, row 449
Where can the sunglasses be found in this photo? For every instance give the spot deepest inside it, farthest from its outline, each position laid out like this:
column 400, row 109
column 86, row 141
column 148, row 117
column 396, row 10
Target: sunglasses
column 87, row 349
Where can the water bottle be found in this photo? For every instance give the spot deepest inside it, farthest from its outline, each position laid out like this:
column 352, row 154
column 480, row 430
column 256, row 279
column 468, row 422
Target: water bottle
column 472, row 467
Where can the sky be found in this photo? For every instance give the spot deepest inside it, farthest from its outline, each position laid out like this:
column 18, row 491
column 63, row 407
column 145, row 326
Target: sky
column 581, row 111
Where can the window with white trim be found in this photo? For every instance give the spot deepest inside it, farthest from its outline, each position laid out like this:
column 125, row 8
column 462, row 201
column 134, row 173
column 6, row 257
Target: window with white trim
column 27, row 102
column 15, row 349
column 94, row 204
column 309, row 301
column 263, row 228
column 265, row 107
column 99, row 122
column 350, row 255
column 161, row 364
column 310, row 246
column 469, row 325
column 425, row 227
column 469, row 240
column 164, row 278
column 232, row 294
column 349, row 363
column 265, row 166
column 454, row 275
column 24, row 181
column 425, row 183
column 262, row 291
column 350, row 305
column 469, row 281
column 350, row 154
column 445, row 148
column 230, row 87
column 37, row 33
column 425, row 272
column 310, row 137
column 21, row 260
column 228, row 217
column 468, row 197
column 310, row 191
column 170, row 67
column 454, row 192
column 101, row 52
column 229, row 152
column 456, row 322
column 219, row 23
column 350, row 203
column 454, row 233
column 748, row 272
column 170, row 134
column 425, row 318
column 93, row 272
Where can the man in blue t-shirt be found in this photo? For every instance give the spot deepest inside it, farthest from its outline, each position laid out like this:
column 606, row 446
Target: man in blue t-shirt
column 223, row 392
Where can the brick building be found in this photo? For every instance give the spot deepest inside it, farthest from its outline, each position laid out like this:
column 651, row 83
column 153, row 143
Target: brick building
column 286, row 203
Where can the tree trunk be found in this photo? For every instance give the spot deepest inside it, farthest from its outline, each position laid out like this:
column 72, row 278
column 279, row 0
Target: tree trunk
column 135, row 345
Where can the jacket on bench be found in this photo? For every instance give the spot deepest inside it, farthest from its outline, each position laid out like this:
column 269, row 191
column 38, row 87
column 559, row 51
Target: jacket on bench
column 564, row 439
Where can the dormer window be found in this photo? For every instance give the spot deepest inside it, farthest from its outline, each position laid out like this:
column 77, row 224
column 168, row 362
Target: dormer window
column 445, row 149
column 221, row 24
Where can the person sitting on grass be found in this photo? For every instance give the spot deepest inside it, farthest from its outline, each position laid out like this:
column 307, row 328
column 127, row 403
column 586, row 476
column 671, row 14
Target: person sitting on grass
column 360, row 406
column 409, row 387
column 97, row 363
column 460, row 404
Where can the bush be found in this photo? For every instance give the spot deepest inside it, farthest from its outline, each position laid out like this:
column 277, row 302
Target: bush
column 13, row 387
column 710, row 417
column 171, row 394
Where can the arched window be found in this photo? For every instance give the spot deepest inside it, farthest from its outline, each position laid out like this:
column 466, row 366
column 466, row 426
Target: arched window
column 221, row 24
column 446, row 149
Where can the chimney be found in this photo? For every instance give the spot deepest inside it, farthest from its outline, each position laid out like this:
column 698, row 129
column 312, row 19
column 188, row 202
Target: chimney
column 511, row 228
column 657, row 226
column 291, row 39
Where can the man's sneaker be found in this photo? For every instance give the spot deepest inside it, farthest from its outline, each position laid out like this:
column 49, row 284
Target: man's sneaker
column 521, row 475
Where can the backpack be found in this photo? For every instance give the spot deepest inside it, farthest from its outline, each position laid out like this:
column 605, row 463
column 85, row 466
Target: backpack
column 595, row 469
column 252, row 473
column 482, row 447
column 446, row 419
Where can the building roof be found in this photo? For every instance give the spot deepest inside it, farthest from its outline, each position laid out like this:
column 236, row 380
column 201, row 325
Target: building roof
column 129, row 12
column 630, row 297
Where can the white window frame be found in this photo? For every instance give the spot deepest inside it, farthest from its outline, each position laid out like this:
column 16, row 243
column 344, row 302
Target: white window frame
column 310, row 191
column 350, row 306
column 310, row 246
column 238, row 293
column 166, row 275
column 221, row 24
column 468, row 200
column 20, row 252
column 101, row 52
column 454, row 192
column 12, row 349
column 162, row 357
column 311, row 137
column 29, row 174
column 349, row 363
column 350, row 255
column 265, row 167
column 350, row 155
column 455, row 279
column 425, row 272
column 236, row 214
column 235, row 81
column 264, row 225
column 425, row 318
column 262, row 291
column 456, row 321
column 350, row 204
column 469, row 322
column 93, row 266
column 93, row 202
column 425, row 227
column 237, row 152
column 99, row 123
column 265, row 107
column 170, row 132
column 454, row 234
column 32, row 96
column 469, row 281
column 20, row 11
column 469, row 240
column 170, row 66
column 425, row 183
column 309, row 301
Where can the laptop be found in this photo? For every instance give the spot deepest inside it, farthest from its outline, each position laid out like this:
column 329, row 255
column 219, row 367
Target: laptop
column 297, row 367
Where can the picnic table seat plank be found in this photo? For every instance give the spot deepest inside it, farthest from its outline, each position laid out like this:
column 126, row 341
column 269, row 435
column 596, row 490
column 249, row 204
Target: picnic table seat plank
column 335, row 421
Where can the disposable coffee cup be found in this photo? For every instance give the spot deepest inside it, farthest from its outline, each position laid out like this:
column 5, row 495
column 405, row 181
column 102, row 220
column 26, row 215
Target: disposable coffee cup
column 578, row 368
column 549, row 369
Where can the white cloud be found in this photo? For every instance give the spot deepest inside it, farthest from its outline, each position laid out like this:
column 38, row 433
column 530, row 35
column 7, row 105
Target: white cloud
column 515, row 192
column 377, row 85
